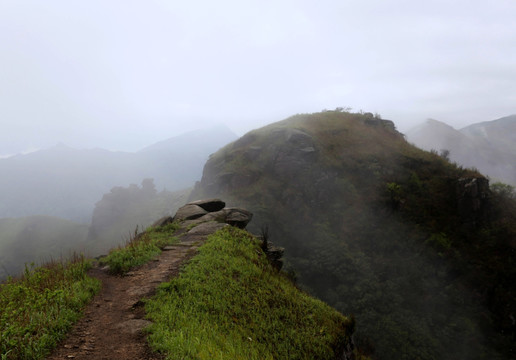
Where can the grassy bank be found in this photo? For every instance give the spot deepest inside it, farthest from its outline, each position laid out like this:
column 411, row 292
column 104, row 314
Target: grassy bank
column 229, row 303
column 38, row 308
column 140, row 249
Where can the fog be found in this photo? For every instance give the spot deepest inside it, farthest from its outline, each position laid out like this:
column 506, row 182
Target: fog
column 124, row 74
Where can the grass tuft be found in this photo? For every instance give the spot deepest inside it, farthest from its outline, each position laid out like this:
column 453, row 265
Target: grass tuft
column 140, row 249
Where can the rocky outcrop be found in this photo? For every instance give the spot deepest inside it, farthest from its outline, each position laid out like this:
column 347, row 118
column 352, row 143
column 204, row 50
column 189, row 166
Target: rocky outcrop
column 472, row 200
column 203, row 211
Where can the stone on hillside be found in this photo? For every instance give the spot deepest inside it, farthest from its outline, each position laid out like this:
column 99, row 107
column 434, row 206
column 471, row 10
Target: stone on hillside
column 206, row 228
column 238, row 217
column 209, row 205
column 218, row 216
column 189, row 212
column 165, row 220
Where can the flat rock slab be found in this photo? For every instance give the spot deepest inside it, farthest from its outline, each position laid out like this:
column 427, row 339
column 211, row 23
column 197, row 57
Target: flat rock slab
column 206, row 228
column 209, row 205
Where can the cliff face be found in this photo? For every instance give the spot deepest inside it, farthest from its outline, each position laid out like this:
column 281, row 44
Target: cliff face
column 364, row 217
column 473, row 201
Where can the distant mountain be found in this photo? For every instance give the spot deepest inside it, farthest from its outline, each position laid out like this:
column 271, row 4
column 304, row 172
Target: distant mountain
column 489, row 146
column 66, row 182
column 421, row 251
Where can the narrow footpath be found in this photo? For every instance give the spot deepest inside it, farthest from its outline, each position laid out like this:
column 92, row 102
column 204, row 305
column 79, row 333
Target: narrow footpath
column 111, row 328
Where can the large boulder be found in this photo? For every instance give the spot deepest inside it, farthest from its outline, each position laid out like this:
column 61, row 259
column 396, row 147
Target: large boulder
column 189, row 212
column 238, row 217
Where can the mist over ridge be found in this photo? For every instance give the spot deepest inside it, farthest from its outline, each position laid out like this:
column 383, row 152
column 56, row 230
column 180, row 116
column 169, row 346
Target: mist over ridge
column 66, row 182
column 489, row 146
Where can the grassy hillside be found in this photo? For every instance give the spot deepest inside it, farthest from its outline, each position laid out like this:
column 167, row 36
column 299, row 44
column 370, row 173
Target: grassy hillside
column 227, row 303
column 39, row 307
column 230, row 303
column 37, row 239
column 379, row 228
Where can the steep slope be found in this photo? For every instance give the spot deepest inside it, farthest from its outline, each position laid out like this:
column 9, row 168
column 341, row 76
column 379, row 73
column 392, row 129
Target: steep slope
column 488, row 146
column 66, row 182
column 376, row 227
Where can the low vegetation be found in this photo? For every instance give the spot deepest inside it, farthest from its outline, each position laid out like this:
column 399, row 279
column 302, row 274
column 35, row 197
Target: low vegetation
column 38, row 308
column 140, row 249
column 229, row 303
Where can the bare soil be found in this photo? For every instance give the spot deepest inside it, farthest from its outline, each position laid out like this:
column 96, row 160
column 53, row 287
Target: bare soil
column 112, row 325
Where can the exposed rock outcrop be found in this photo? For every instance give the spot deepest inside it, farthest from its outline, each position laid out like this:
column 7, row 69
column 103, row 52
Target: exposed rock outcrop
column 205, row 211
column 204, row 217
column 472, row 200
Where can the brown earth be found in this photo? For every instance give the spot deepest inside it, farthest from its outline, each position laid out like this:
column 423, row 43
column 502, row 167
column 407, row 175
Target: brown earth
column 112, row 325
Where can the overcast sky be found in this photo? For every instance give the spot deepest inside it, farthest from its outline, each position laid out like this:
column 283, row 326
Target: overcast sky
column 123, row 74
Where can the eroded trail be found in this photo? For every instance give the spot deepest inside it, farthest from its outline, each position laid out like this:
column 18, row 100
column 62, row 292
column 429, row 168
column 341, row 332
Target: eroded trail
column 112, row 324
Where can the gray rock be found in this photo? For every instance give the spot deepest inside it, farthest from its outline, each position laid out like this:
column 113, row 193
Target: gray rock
column 209, row 205
column 206, row 228
column 238, row 217
column 218, row 216
column 189, row 212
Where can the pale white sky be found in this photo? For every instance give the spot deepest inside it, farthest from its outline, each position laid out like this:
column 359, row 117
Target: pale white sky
column 123, row 74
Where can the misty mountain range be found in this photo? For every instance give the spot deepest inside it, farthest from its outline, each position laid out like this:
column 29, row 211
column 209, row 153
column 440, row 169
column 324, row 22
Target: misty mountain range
column 488, row 146
column 419, row 249
column 66, row 182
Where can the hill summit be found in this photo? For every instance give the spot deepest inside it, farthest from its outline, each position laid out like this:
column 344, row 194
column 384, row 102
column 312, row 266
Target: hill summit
column 419, row 249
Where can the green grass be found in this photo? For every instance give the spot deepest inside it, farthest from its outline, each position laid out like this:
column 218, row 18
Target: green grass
column 38, row 308
column 229, row 303
column 140, row 249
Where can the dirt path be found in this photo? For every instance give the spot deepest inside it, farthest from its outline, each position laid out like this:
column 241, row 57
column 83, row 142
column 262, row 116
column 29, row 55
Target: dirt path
column 112, row 323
